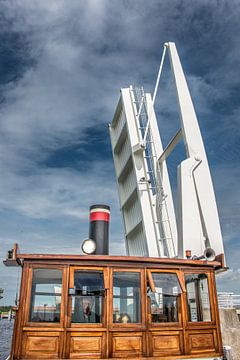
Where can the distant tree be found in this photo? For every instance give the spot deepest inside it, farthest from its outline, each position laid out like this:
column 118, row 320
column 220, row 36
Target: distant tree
column 5, row 308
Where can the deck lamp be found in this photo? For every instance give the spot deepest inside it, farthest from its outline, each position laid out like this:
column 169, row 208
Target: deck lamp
column 88, row 246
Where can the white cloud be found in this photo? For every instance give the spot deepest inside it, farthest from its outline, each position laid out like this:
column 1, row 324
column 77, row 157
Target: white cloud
column 229, row 281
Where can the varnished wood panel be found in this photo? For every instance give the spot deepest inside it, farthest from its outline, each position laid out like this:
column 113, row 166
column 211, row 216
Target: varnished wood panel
column 127, row 344
column 201, row 341
column 170, row 343
column 166, row 343
column 219, row 345
column 87, row 345
column 17, row 335
column 41, row 345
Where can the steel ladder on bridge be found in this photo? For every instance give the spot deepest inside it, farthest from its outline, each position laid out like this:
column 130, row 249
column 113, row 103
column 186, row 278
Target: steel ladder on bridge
column 153, row 168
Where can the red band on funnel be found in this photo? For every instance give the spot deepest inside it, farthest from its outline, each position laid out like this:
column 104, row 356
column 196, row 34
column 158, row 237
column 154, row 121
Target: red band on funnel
column 99, row 216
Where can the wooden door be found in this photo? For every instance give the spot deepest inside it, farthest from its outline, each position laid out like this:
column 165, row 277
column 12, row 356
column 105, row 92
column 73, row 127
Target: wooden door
column 127, row 313
column 202, row 319
column 164, row 313
column 86, row 331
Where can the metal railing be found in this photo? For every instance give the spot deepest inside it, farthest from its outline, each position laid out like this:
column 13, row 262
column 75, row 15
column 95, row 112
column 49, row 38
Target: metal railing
column 228, row 300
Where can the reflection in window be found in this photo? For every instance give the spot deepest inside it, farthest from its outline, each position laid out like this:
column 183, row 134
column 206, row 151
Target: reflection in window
column 126, row 297
column 198, row 297
column 87, row 304
column 164, row 301
column 46, row 295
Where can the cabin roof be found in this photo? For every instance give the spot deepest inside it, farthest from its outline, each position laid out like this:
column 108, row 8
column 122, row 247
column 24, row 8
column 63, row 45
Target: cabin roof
column 18, row 259
column 122, row 259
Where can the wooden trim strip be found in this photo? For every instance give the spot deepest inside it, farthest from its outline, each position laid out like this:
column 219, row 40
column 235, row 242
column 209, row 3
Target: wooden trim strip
column 181, row 280
column 151, row 282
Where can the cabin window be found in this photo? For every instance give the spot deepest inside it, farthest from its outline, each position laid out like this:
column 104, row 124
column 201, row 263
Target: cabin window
column 198, row 297
column 46, row 295
column 126, row 297
column 87, row 302
column 164, row 293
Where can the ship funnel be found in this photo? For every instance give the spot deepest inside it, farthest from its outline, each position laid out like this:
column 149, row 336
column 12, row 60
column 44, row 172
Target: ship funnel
column 98, row 242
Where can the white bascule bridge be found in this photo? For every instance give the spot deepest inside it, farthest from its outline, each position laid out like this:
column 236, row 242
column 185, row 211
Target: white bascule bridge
column 153, row 227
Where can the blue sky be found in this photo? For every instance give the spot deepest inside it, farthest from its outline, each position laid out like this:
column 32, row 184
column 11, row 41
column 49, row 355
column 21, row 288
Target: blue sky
column 62, row 64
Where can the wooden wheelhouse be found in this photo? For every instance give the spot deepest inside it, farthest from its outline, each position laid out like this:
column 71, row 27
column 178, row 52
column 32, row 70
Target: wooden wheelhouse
column 105, row 307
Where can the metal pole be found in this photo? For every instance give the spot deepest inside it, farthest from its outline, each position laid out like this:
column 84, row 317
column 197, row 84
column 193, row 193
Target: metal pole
column 155, row 90
column 159, row 73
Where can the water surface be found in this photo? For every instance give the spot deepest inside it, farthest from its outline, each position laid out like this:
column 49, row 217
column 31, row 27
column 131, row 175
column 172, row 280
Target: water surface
column 6, row 329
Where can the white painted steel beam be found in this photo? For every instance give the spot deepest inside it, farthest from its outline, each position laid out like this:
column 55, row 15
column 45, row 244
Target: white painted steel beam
column 171, row 146
column 198, row 219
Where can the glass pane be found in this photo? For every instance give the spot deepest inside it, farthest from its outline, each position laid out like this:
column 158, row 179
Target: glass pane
column 126, row 297
column 87, row 304
column 198, row 297
column 46, row 295
column 46, row 308
column 164, row 302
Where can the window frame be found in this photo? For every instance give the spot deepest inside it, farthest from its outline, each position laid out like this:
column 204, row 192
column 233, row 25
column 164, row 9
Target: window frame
column 29, row 279
column 140, row 325
column 211, row 295
column 178, row 324
column 105, row 272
